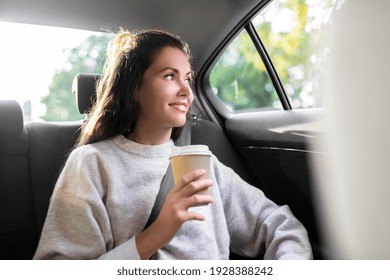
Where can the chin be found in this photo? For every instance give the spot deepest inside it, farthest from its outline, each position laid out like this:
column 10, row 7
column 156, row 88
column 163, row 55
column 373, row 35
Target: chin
column 180, row 124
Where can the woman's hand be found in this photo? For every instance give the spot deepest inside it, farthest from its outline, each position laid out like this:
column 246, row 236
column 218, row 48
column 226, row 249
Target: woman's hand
column 174, row 213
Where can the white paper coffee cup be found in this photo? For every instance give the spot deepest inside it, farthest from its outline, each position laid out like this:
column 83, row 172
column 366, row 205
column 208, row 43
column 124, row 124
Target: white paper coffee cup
column 185, row 159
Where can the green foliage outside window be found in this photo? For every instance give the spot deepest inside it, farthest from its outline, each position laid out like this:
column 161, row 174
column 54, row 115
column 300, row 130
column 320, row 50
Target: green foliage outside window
column 291, row 31
column 240, row 79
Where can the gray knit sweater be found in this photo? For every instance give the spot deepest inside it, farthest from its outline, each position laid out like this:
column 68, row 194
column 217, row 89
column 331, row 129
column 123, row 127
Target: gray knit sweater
column 106, row 192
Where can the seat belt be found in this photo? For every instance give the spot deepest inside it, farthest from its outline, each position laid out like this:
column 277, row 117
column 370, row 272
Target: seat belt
column 168, row 181
column 166, row 184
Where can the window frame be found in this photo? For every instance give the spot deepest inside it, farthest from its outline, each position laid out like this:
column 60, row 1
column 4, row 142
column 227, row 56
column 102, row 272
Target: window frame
column 213, row 105
column 262, row 51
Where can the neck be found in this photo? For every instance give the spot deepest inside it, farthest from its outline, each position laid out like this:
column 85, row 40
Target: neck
column 150, row 136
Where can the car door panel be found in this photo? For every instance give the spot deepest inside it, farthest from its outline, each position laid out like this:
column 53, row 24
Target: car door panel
column 277, row 147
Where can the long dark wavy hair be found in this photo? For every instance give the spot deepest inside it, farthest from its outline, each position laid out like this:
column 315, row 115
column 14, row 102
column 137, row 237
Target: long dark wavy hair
column 129, row 55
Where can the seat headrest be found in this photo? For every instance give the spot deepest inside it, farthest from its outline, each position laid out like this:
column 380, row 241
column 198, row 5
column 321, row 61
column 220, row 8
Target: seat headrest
column 84, row 88
column 11, row 117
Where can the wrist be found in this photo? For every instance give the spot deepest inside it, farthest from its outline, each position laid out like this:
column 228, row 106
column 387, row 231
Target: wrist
column 147, row 242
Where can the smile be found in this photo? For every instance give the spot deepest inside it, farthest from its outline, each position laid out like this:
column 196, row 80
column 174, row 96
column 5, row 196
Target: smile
column 179, row 106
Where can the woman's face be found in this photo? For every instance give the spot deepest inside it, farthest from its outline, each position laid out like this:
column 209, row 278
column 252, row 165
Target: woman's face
column 165, row 93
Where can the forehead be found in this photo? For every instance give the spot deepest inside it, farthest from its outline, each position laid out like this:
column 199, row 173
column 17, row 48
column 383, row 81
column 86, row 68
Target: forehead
column 171, row 57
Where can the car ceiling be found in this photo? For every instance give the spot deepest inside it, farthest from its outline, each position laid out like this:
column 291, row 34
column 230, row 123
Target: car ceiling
column 202, row 23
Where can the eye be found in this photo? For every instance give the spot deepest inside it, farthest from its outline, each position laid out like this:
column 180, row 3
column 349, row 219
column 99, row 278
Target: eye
column 188, row 80
column 169, row 77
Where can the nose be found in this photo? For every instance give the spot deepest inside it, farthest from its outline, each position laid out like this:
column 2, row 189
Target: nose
column 185, row 89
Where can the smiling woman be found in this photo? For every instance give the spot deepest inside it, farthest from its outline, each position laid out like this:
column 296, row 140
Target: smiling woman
column 246, row 83
column 31, row 57
column 164, row 96
column 109, row 183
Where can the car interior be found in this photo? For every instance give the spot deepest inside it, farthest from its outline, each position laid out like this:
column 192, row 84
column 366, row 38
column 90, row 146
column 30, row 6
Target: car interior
column 271, row 149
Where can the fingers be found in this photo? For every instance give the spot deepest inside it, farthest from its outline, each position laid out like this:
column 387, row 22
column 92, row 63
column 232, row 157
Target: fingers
column 196, row 187
column 190, row 177
column 184, row 195
column 174, row 211
column 180, row 204
column 183, row 215
column 195, row 216
column 192, row 183
column 197, row 200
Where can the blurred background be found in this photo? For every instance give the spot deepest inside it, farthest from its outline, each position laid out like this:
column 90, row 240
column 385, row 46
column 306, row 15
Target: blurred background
column 354, row 178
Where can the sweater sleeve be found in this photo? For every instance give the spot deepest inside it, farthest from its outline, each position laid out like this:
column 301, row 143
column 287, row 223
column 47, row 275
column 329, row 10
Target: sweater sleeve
column 77, row 225
column 256, row 225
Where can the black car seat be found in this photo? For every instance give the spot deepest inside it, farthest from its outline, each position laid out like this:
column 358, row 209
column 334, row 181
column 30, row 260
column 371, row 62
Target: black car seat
column 49, row 147
column 17, row 218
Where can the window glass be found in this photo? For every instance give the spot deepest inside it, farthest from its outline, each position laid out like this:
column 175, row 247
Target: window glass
column 292, row 32
column 240, row 80
column 39, row 64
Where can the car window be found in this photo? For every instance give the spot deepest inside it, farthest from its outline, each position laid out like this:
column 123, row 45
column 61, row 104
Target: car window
column 39, row 63
column 240, row 80
column 292, row 33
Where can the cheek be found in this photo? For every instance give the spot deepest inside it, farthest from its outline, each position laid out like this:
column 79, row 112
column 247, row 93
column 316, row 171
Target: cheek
column 147, row 96
column 191, row 99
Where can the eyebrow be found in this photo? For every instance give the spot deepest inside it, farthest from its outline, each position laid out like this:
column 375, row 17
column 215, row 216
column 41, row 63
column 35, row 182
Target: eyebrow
column 175, row 70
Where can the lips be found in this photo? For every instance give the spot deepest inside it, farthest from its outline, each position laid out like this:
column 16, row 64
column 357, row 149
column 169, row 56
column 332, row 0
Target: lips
column 179, row 106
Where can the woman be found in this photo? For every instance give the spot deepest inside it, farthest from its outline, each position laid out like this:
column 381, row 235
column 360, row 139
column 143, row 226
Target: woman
column 108, row 186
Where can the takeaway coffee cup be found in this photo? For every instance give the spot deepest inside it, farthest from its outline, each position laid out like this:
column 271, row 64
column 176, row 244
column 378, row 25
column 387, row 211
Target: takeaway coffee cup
column 186, row 159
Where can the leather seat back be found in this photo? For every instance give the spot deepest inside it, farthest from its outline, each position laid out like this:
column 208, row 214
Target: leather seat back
column 17, row 217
